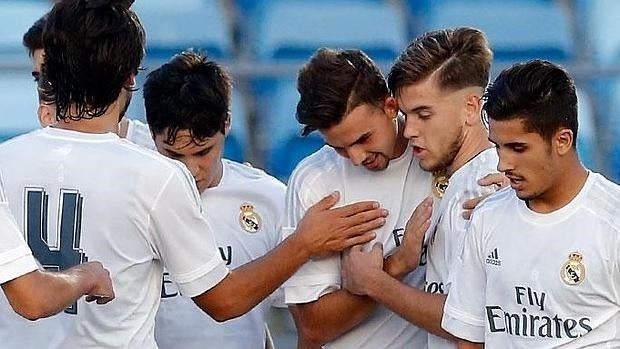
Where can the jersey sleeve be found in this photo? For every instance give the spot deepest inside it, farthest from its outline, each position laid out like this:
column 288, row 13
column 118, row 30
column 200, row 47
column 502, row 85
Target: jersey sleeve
column 15, row 256
column 183, row 238
column 318, row 276
column 464, row 309
column 278, row 199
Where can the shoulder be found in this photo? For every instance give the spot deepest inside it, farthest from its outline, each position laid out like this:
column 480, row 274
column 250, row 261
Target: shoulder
column 17, row 140
column 139, row 133
column 317, row 168
column 252, row 178
column 603, row 200
column 465, row 179
column 498, row 201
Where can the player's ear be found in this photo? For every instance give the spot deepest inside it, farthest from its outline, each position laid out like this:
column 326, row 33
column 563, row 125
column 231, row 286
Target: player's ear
column 227, row 125
column 46, row 114
column 473, row 107
column 390, row 106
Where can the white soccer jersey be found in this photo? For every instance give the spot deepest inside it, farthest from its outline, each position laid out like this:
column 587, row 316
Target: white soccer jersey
column 83, row 196
column 531, row 280
column 140, row 134
column 245, row 211
column 399, row 188
column 15, row 257
column 448, row 227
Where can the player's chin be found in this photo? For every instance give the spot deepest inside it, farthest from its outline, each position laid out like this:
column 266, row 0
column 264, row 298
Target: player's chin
column 379, row 164
column 202, row 185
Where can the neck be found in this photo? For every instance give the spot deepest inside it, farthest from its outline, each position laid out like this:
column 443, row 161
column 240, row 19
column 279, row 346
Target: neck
column 218, row 176
column 568, row 183
column 475, row 141
column 105, row 123
column 401, row 142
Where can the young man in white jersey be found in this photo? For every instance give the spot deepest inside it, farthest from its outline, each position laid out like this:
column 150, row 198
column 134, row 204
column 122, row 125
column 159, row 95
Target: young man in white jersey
column 82, row 193
column 34, row 293
column 438, row 81
column 540, row 266
column 134, row 130
column 17, row 332
column 344, row 96
column 187, row 104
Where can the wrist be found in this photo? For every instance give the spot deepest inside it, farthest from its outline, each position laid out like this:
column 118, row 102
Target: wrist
column 396, row 266
column 373, row 285
column 302, row 249
column 85, row 278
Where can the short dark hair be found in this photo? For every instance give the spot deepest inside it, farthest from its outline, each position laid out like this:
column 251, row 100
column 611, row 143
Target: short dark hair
column 461, row 56
column 540, row 93
column 190, row 92
column 33, row 38
column 92, row 48
column 333, row 83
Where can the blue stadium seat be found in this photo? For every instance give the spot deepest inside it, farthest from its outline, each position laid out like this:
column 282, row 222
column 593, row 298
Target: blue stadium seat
column 517, row 29
column 611, row 128
column 601, row 19
column 19, row 101
column 284, row 147
column 16, row 16
column 586, row 136
column 237, row 142
column 172, row 26
column 294, row 29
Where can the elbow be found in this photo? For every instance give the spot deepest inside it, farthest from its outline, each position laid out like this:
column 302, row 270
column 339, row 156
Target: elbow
column 312, row 337
column 30, row 312
column 223, row 315
column 223, row 310
column 310, row 334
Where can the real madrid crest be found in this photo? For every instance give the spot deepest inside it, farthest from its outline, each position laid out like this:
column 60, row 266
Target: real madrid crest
column 573, row 272
column 249, row 220
column 440, row 184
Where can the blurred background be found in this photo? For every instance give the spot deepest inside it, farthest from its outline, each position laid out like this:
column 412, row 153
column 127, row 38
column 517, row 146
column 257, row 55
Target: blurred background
column 264, row 42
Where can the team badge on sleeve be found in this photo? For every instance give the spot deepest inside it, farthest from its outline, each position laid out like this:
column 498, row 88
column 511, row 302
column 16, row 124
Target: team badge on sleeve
column 440, row 184
column 249, row 220
column 573, row 272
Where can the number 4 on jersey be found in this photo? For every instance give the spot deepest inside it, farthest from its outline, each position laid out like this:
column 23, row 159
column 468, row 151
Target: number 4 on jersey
column 65, row 252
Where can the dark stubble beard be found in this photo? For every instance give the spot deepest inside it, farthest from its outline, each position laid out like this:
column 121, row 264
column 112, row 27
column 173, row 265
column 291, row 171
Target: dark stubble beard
column 453, row 150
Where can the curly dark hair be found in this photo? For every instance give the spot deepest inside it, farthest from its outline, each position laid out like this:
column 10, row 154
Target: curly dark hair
column 92, row 49
column 33, row 38
column 190, row 92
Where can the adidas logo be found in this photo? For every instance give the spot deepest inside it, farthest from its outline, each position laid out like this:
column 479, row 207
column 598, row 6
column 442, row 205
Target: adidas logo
column 493, row 258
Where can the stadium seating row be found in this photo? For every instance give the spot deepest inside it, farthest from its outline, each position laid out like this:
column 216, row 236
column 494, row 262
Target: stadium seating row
column 276, row 31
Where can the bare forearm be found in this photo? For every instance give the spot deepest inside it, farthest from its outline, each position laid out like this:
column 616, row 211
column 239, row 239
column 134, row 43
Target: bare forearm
column 462, row 344
column 254, row 281
column 338, row 312
column 331, row 316
column 41, row 294
column 423, row 309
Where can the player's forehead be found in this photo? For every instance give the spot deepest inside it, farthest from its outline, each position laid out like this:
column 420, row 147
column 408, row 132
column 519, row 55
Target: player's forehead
column 513, row 130
column 184, row 141
column 361, row 121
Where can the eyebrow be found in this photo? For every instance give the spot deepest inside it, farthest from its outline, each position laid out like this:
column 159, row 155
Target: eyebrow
column 510, row 144
column 416, row 109
column 358, row 140
column 174, row 153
